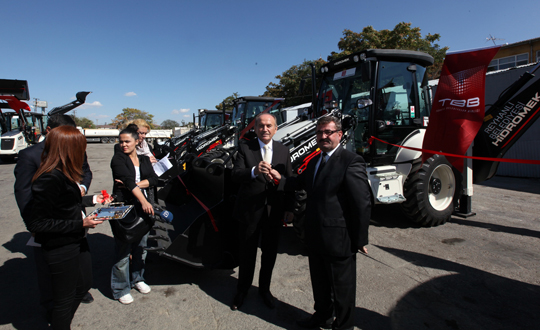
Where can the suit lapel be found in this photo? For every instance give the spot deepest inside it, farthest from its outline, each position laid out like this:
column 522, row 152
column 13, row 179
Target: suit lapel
column 256, row 149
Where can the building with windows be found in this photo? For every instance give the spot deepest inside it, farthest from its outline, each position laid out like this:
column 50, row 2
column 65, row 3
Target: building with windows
column 516, row 54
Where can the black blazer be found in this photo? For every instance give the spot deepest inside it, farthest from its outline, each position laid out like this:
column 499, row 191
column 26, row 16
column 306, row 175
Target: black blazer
column 338, row 206
column 255, row 194
column 55, row 215
column 27, row 165
column 124, row 170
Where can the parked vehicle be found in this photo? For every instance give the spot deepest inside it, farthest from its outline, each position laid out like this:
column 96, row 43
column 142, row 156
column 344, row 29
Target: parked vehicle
column 20, row 128
column 378, row 93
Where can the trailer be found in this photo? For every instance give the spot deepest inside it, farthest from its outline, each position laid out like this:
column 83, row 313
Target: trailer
column 110, row 135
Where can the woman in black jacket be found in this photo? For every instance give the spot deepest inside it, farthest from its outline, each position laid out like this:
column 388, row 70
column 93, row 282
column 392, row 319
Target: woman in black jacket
column 133, row 175
column 56, row 218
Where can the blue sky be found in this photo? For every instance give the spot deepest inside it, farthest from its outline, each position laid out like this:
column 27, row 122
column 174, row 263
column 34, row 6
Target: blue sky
column 170, row 58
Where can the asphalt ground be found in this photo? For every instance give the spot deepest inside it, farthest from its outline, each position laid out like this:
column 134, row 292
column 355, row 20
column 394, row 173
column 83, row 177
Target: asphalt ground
column 476, row 273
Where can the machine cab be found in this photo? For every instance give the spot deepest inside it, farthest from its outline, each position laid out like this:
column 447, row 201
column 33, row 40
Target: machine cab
column 247, row 107
column 385, row 90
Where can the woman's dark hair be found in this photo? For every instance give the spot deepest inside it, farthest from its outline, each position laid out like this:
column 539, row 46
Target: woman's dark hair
column 132, row 130
column 64, row 150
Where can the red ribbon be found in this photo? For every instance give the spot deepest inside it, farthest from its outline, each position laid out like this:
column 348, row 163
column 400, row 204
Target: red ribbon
column 202, row 204
column 491, row 159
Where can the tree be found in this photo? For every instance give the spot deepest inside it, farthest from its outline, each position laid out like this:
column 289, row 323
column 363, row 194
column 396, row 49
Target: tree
column 228, row 102
column 169, row 123
column 130, row 114
column 403, row 36
column 289, row 83
column 83, row 122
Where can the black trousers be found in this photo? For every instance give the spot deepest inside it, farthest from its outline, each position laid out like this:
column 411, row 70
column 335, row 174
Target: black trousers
column 333, row 280
column 44, row 280
column 71, row 279
column 249, row 237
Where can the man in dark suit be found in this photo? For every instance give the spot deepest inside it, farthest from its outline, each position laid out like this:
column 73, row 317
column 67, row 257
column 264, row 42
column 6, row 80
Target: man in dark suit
column 27, row 164
column 337, row 219
column 260, row 206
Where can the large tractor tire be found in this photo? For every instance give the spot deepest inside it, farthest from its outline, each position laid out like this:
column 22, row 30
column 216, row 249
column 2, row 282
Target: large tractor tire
column 432, row 191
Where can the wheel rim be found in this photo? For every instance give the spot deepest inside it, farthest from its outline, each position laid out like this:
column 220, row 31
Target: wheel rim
column 441, row 187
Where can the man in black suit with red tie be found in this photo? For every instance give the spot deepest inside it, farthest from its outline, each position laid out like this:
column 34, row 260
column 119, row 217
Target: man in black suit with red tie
column 338, row 212
column 260, row 206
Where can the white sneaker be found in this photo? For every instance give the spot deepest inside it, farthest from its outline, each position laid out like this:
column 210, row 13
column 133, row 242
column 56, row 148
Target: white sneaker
column 126, row 299
column 142, row 287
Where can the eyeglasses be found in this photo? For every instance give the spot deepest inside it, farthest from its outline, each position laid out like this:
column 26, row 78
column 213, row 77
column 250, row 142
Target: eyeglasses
column 326, row 132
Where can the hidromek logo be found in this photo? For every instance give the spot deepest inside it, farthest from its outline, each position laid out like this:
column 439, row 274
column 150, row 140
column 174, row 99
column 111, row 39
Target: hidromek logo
column 202, row 146
column 304, row 149
column 518, row 118
column 342, row 61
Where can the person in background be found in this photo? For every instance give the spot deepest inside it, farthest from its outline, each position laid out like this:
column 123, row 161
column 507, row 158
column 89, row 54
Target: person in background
column 143, row 148
column 56, row 219
column 133, row 175
column 28, row 162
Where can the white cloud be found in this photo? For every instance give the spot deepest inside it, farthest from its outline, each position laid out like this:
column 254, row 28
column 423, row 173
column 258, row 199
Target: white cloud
column 177, row 112
column 129, row 94
column 95, row 104
column 187, row 116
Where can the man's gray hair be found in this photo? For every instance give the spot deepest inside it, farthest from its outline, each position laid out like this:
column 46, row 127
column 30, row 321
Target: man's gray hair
column 328, row 120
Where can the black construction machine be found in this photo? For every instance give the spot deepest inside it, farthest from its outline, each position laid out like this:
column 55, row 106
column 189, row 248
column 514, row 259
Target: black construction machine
column 199, row 194
column 378, row 93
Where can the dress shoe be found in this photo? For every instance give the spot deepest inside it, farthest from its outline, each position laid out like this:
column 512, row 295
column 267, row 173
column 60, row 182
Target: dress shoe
column 268, row 299
column 238, row 301
column 87, row 298
column 315, row 322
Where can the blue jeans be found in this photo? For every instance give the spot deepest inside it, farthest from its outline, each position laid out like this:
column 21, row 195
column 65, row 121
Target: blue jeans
column 124, row 277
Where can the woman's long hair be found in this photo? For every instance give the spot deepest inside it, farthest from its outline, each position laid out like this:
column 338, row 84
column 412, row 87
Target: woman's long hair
column 64, row 151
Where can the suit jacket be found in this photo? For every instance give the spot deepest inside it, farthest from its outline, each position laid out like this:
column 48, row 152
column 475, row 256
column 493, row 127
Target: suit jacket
column 27, row 165
column 338, row 206
column 255, row 194
column 55, row 215
column 124, row 170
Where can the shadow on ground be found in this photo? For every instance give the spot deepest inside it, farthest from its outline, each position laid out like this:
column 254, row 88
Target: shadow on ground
column 529, row 185
column 468, row 299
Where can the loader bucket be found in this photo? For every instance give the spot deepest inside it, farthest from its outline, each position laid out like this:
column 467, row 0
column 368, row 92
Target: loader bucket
column 203, row 230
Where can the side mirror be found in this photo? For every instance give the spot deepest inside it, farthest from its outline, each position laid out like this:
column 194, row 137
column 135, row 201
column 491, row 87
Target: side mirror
column 363, row 103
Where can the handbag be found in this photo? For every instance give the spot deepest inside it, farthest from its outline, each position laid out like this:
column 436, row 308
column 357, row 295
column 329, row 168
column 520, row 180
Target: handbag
column 128, row 226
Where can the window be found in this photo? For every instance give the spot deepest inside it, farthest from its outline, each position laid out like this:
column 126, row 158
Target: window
column 538, row 56
column 509, row 62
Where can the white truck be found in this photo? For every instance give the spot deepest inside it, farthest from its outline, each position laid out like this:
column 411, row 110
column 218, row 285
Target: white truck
column 19, row 128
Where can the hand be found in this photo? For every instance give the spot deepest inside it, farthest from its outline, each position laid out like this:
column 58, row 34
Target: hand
column 153, row 159
column 92, row 221
column 263, row 167
column 83, row 191
column 362, row 250
column 274, row 175
column 148, row 208
column 288, row 217
column 120, row 183
column 101, row 200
